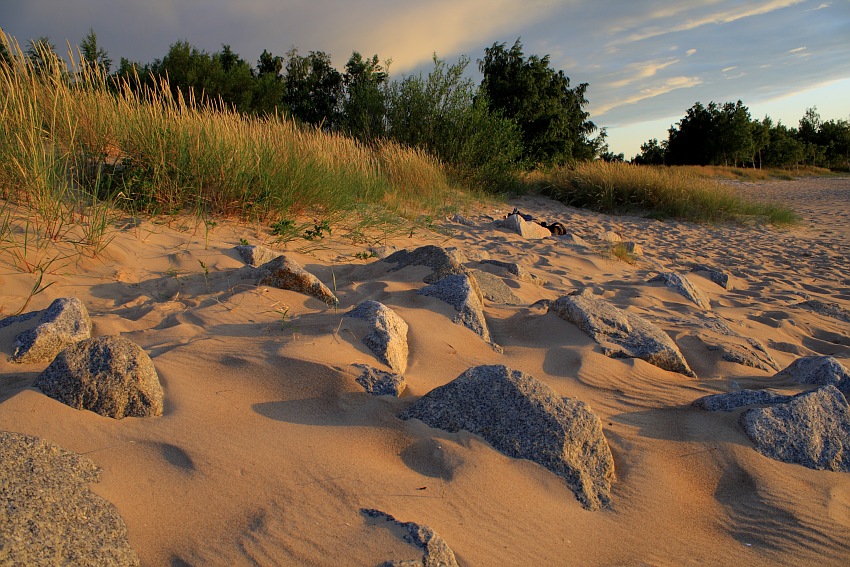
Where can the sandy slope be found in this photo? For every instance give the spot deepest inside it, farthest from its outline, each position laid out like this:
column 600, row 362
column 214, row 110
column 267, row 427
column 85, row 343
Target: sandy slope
column 268, row 448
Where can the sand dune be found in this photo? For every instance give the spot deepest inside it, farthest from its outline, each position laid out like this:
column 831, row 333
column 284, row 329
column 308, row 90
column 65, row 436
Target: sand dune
column 268, row 449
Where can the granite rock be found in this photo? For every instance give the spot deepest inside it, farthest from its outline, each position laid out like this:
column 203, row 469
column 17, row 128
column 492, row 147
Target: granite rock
column 284, row 273
column 63, row 323
column 387, row 336
column 380, row 383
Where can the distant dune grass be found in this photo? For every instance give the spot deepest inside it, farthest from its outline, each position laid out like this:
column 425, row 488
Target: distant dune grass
column 659, row 192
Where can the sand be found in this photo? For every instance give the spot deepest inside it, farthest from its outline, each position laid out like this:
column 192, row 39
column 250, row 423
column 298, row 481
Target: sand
column 268, row 449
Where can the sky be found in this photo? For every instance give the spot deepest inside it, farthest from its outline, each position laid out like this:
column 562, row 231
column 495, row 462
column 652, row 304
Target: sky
column 646, row 61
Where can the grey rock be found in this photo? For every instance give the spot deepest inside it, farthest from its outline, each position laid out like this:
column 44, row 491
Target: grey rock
column 753, row 354
column 458, row 291
column 523, row 418
column 284, row 273
column 63, row 323
column 516, row 270
column 570, row 238
column 820, row 371
column 621, row 334
column 48, row 513
column 256, row 255
column 609, row 236
column 387, row 337
column 439, row 259
column 812, row 429
column 111, row 376
column 732, row 400
column 527, row 229
column 633, row 248
column 829, row 309
column 460, row 219
column 380, row 383
column 494, row 289
column 436, row 552
column 716, row 275
column 382, row 252
column 684, row 287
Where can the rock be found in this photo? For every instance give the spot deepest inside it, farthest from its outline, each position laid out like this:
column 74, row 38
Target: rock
column 436, row 552
column 63, row 323
column 829, row 309
column 284, row 273
column 632, row 248
column 733, row 400
column 812, row 429
column 382, row 252
column 621, row 334
column 256, row 255
column 460, row 219
column 380, row 383
column 526, row 229
column 818, row 370
column 525, row 419
column 571, row 238
column 684, row 287
column 755, row 357
column 609, row 236
column 439, row 259
column 111, row 376
column 515, row 269
column 716, row 275
column 48, row 513
column 457, row 291
column 388, row 335
column 494, row 289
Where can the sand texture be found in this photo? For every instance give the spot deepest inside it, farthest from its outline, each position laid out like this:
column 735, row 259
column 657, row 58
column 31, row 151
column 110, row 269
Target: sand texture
column 268, row 449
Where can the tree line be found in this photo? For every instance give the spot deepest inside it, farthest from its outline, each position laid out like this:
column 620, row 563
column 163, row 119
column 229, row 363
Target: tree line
column 523, row 114
column 726, row 134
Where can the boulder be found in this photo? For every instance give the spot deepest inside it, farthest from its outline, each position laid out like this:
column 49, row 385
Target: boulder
column 716, row 275
column 753, row 354
column 380, row 383
column 439, row 259
column 829, row 309
column 525, row 419
column 811, row 429
column 730, row 401
column 571, row 238
column 111, row 376
column 436, row 552
column 820, row 371
column 63, row 323
column 494, row 289
column 284, row 273
column 460, row 219
column 387, row 336
column 526, row 229
column 458, row 291
column 684, row 287
column 48, row 513
column 256, row 255
column 609, row 236
column 621, row 334
column 516, row 270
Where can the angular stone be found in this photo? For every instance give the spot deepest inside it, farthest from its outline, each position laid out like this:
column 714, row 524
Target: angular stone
column 684, row 287
column 48, row 513
column 716, row 275
column 436, row 552
column 388, row 335
column 284, row 273
column 515, row 269
column 526, row 229
column 458, row 291
column 829, row 309
column 621, row 334
column 256, row 255
column 571, row 238
column 494, row 289
column 740, row 398
column 380, row 383
column 610, row 236
column 812, row 429
column 632, row 248
column 63, row 323
column 111, row 376
column 753, row 356
column 523, row 418
column 439, row 259
column 818, row 370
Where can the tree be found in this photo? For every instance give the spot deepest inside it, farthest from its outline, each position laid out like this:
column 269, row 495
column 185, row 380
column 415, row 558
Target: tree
column 548, row 112
column 364, row 107
column 313, row 88
column 652, row 153
column 41, row 53
column 760, row 134
column 784, row 149
column 269, row 89
column 5, row 56
column 94, row 55
column 269, row 64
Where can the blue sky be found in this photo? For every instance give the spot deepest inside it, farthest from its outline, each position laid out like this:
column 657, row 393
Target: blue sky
column 646, row 61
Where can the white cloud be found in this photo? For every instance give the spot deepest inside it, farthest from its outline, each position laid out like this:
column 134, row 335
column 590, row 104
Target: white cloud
column 642, row 70
column 669, row 85
column 690, row 52
column 797, row 50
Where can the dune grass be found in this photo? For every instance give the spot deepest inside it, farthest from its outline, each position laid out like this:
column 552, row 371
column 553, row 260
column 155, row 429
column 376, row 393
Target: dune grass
column 658, row 192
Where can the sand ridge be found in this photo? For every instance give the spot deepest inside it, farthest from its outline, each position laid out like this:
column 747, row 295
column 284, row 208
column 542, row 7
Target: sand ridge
column 268, row 449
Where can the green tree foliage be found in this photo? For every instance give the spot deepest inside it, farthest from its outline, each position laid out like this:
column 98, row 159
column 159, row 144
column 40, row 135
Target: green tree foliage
column 713, row 135
column 269, row 88
column 93, row 54
column 652, row 153
column 314, row 88
column 555, row 128
column 364, row 106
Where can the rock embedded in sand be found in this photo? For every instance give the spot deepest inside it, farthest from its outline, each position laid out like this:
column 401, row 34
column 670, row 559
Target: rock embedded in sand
column 820, row 371
column 48, row 513
column 443, row 262
column 527, row 229
column 111, row 376
column 812, row 429
column 515, row 269
column 284, row 273
column 256, row 255
column 716, row 275
column 683, row 287
column 494, row 289
column 829, row 309
column 436, row 552
column 523, row 418
column 730, row 401
column 621, row 334
column 380, row 383
column 387, row 337
column 459, row 291
column 63, row 323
